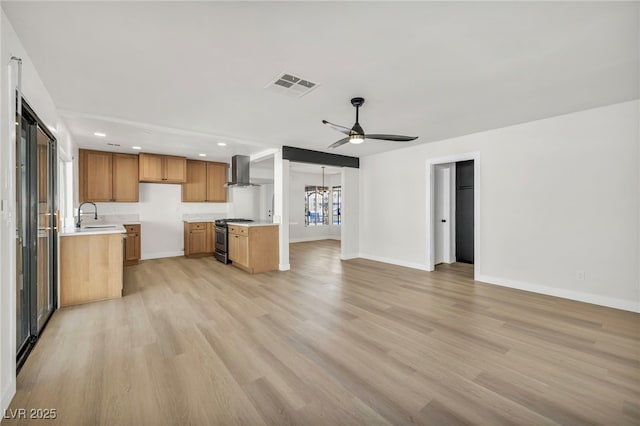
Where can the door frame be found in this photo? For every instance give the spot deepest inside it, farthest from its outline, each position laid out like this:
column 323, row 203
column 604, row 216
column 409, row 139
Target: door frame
column 430, row 208
column 31, row 221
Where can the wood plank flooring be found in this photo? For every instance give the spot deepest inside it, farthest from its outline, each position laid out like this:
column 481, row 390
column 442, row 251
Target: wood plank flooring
column 331, row 343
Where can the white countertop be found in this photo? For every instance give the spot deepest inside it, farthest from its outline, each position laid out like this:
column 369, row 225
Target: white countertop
column 251, row 224
column 74, row 232
column 198, row 220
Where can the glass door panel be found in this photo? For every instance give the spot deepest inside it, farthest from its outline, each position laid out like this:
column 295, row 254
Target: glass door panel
column 22, row 266
column 45, row 229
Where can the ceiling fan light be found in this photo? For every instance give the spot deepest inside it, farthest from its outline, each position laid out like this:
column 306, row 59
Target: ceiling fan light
column 356, row 139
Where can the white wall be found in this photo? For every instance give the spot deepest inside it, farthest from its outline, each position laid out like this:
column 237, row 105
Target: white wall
column 297, row 229
column 244, row 202
column 558, row 196
column 351, row 211
column 40, row 100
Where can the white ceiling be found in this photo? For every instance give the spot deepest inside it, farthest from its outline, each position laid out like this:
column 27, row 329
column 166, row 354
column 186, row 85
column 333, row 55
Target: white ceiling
column 178, row 77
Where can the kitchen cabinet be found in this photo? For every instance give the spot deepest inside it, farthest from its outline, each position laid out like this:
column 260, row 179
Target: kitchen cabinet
column 90, row 268
column 132, row 245
column 162, row 169
column 198, row 239
column 217, row 182
column 206, row 182
column 254, row 248
column 108, row 176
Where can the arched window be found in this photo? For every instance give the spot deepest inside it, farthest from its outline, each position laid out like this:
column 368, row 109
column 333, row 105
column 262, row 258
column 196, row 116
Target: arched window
column 316, row 206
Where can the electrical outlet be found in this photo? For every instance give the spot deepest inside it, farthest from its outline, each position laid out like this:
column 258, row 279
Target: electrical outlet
column 580, row 275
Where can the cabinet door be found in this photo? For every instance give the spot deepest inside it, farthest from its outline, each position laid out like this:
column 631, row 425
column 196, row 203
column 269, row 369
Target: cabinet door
column 130, row 249
column 175, row 170
column 96, row 176
column 150, row 169
column 242, row 256
column 233, row 246
column 125, row 178
column 198, row 241
column 216, row 180
column 195, row 189
column 210, row 237
column 132, row 245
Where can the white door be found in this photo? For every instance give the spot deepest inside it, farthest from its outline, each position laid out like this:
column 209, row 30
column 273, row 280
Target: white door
column 442, row 201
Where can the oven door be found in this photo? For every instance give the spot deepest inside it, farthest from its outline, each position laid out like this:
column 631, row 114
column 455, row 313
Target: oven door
column 221, row 239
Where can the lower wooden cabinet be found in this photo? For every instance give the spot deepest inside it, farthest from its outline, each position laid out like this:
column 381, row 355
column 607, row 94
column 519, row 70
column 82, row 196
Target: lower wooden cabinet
column 198, row 239
column 132, row 245
column 254, row 248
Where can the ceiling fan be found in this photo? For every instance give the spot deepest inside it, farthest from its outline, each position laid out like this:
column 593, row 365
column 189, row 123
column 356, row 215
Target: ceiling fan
column 356, row 134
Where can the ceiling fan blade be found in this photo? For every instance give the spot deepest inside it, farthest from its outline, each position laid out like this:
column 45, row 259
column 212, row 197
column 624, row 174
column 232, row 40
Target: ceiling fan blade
column 337, row 127
column 395, row 138
column 339, row 143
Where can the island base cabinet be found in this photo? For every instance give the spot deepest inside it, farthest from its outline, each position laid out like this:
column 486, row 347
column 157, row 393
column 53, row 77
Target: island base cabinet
column 90, row 268
column 254, row 248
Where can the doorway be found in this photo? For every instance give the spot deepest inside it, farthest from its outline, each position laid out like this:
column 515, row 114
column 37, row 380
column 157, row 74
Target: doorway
column 453, row 201
column 464, row 211
column 36, row 230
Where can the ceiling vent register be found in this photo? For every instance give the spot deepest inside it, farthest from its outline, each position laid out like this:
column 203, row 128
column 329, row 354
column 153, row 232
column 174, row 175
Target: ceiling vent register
column 291, row 85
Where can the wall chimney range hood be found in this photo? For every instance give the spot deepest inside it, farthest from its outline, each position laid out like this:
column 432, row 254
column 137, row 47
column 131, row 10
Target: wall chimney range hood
column 240, row 166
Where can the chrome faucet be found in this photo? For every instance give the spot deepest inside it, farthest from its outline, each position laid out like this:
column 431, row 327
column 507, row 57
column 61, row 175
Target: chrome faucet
column 79, row 221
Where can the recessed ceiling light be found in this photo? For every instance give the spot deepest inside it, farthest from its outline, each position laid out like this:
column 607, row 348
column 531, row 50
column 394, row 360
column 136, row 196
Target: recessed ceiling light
column 136, row 147
column 99, row 134
column 202, row 155
column 222, row 144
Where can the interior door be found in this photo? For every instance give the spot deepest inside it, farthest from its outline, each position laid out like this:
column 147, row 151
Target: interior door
column 442, row 213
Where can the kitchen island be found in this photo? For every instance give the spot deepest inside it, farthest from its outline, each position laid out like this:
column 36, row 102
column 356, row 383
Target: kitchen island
column 253, row 246
column 90, row 264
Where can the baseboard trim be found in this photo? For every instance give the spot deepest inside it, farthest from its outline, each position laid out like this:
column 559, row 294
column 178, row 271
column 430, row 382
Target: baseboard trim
column 160, row 255
column 8, row 393
column 413, row 265
column 579, row 296
column 284, row 266
column 349, row 256
column 307, row 239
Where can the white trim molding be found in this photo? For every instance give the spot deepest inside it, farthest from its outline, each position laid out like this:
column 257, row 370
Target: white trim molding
column 284, row 267
column 610, row 302
column 413, row 265
column 318, row 238
column 161, row 255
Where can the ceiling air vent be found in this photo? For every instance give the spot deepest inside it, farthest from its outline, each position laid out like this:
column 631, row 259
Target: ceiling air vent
column 291, row 85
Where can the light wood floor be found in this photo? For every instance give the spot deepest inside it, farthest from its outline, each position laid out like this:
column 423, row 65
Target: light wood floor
column 328, row 343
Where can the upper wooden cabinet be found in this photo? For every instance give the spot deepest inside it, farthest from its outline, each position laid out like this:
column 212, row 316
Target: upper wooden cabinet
column 125, row 178
column 205, row 182
column 108, row 176
column 162, row 168
column 217, row 182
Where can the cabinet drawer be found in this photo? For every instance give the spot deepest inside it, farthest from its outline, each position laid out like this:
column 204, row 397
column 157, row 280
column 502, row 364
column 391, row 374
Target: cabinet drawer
column 195, row 226
column 239, row 230
column 132, row 228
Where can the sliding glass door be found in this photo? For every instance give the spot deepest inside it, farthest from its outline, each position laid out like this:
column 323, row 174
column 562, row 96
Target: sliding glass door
column 36, row 162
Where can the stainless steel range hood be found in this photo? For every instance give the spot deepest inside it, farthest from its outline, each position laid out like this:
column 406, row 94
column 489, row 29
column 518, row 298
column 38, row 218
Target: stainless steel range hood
column 240, row 166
